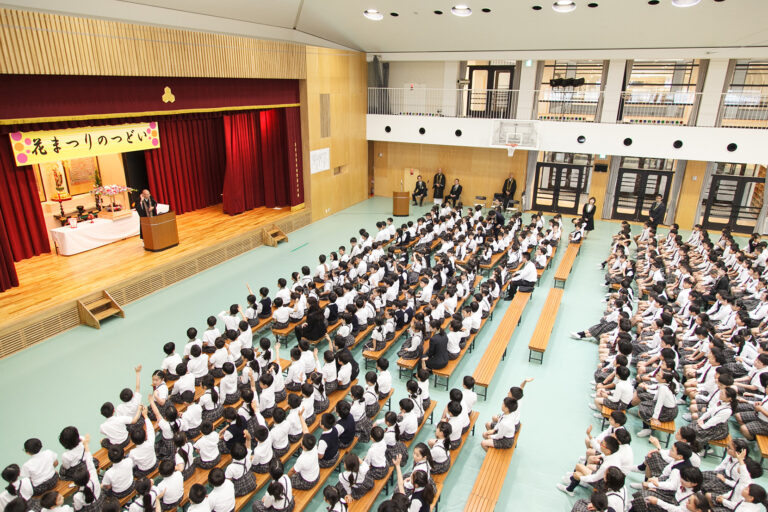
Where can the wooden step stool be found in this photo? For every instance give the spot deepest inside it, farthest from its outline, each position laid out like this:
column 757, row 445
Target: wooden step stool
column 94, row 311
column 273, row 236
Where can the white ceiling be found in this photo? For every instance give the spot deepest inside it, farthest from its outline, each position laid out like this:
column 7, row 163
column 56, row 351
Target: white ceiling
column 730, row 26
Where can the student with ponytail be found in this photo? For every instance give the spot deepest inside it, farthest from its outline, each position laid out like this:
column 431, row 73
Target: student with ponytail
column 440, row 448
column 336, row 503
column 210, row 401
column 355, row 480
column 358, row 411
column 371, row 394
column 422, row 461
column 713, row 424
column 414, row 395
column 658, row 459
column 17, row 487
column 423, row 494
column 147, row 499
column 395, row 446
column 662, row 407
column 184, row 456
column 321, row 397
column 752, row 499
column 88, row 497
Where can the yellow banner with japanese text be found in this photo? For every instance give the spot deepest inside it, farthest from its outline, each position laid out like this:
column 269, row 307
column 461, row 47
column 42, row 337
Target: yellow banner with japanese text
column 54, row 145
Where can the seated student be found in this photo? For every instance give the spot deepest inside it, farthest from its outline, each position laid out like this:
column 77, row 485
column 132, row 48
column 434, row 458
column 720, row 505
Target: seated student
column 683, row 484
column 327, row 370
column 17, row 488
column 210, row 335
column 294, row 422
column 376, row 457
column 395, row 445
column 345, row 426
column 264, row 309
column 282, row 314
column 408, row 419
column 377, row 341
column 620, row 398
column 207, row 447
column 198, row 364
column 143, row 455
column 423, row 494
column 239, row 470
column 440, row 448
column 263, row 453
column 413, row 346
column 335, row 501
column 115, row 428
column 234, row 431
column 358, row 412
column 502, row 435
column 662, row 407
column 306, row 471
column 319, row 394
column 73, row 458
column 146, row 499
column 355, row 480
column 609, row 448
column 422, row 461
column 222, row 496
column 279, row 495
column 384, row 378
column 192, row 416
column 459, row 420
column 171, row 361
column 524, row 278
column 118, row 479
column 614, row 498
column 267, row 397
column 211, row 401
column 328, row 445
column 192, row 340
column 296, row 376
column 185, row 383
column 171, row 487
column 371, row 394
column 198, row 499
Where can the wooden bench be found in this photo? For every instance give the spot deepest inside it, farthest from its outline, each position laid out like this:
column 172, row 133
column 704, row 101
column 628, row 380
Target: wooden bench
column 543, row 331
column 665, row 427
column 367, row 501
column 371, row 356
column 566, row 264
column 762, row 444
column 303, row 498
column 440, row 479
column 497, row 347
column 495, row 259
column 720, row 443
column 490, row 479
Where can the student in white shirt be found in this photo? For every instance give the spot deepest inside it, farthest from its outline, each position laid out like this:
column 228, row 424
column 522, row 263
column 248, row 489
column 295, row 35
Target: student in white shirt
column 210, row 335
column 118, row 479
column 207, row 447
column 143, row 455
column 73, row 458
column 279, row 495
column 222, row 496
column 171, row 487
column 239, row 470
column 502, row 435
column 171, row 361
column 17, row 488
column 525, row 277
column 334, row 499
column 306, row 471
column 198, row 499
column 354, row 480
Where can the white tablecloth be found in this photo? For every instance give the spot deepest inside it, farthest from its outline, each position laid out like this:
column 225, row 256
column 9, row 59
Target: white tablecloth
column 87, row 236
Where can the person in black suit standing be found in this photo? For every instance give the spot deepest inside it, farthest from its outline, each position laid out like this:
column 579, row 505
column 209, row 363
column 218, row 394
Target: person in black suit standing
column 438, row 185
column 419, row 191
column 657, row 211
column 455, row 194
column 588, row 214
column 147, row 206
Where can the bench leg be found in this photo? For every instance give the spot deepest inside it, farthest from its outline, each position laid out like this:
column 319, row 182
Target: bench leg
column 539, row 359
column 389, row 403
column 369, row 363
column 484, row 394
column 504, row 354
column 431, row 415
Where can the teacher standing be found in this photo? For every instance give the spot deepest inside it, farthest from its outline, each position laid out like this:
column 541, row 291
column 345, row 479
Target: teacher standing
column 588, row 214
column 147, row 206
column 438, row 185
column 656, row 211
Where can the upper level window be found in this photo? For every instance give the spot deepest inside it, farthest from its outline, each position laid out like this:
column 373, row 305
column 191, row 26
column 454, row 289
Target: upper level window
column 659, row 92
column 745, row 104
column 570, row 90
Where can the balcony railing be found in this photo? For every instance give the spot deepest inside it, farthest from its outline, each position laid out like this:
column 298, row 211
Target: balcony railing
column 744, row 109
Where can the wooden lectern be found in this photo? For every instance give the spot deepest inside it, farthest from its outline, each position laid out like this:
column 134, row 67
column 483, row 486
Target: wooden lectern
column 160, row 232
column 401, row 203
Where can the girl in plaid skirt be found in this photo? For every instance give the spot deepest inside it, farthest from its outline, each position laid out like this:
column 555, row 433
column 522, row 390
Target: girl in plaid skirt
column 239, row 470
column 395, row 447
column 713, row 424
column 358, row 411
column 658, row 459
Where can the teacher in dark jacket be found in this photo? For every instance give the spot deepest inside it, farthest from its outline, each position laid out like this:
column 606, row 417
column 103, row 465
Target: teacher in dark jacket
column 657, row 211
column 437, row 355
column 314, row 327
column 455, row 194
column 588, row 214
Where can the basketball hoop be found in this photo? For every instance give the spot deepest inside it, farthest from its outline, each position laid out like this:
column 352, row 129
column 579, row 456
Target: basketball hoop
column 511, row 149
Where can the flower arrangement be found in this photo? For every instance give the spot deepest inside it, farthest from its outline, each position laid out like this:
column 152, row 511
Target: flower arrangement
column 111, row 190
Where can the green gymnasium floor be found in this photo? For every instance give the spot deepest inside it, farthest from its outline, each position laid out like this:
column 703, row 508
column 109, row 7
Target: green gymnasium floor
column 64, row 380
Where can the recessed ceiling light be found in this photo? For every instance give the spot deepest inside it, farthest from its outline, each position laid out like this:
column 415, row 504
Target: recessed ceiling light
column 592, row 4
column 536, row 7
column 438, row 12
column 485, row 9
column 394, row 14
column 373, row 14
column 461, row 10
column 685, row 3
column 653, row 2
column 564, row 6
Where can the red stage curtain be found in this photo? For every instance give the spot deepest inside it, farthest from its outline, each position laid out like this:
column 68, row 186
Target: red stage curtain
column 8, row 278
column 257, row 167
column 187, row 170
column 294, row 155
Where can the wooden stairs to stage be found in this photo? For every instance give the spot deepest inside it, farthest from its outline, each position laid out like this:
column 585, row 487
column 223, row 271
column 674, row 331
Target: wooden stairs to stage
column 93, row 312
column 273, row 236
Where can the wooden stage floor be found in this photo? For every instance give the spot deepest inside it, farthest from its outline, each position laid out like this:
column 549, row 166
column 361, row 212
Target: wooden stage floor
column 49, row 279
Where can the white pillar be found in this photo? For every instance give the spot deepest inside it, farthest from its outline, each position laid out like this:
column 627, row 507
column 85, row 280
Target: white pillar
column 525, row 108
column 450, row 96
column 612, row 90
column 712, row 92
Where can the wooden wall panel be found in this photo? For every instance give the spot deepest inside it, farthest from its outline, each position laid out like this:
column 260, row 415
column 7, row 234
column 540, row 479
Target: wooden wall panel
column 598, row 186
column 38, row 43
column 481, row 171
column 342, row 75
column 693, row 180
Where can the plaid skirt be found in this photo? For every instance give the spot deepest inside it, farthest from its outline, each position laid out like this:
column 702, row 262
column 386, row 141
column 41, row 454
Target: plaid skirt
column 279, row 452
column 615, row 406
column 454, row 444
column 438, row 468
column 349, row 340
column 375, row 345
column 645, row 411
column 258, row 506
column 294, row 438
column 122, row 494
column 105, row 443
column 279, row 325
column 293, row 386
column 755, row 426
column 371, row 410
column 321, row 405
column 377, row 473
column 165, row 506
column 67, row 473
column 264, row 468
column 601, row 328
column 252, row 424
column 245, row 484
column 655, row 463
column 45, row 486
column 207, row 464
column 397, row 449
column 94, row 506
column 581, row 506
column 298, row 483
column 715, row 433
column 504, row 443
column 138, row 473
column 713, row 484
column 410, row 354
column 213, row 414
column 309, row 421
column 425, row 402
column 188, row 471
column 329, row 463
column 363, row 430
column 639, row 504
column 359, row 489
column 736, row 368
column 232, row 398
column 330, row 387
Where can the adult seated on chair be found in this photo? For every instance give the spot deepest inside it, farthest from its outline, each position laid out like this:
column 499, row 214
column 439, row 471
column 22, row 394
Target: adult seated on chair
column 419, row 191
column 507, row 192
column 455, row 193
column 524, row 278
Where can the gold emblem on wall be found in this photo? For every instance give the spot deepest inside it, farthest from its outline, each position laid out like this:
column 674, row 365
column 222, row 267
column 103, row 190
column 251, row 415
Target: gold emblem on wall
column 168, row 96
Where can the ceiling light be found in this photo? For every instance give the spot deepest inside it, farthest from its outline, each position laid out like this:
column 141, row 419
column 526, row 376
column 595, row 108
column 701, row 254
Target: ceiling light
column 461, row 10
column 564, row 6
column 373, row 14
column 685, row 3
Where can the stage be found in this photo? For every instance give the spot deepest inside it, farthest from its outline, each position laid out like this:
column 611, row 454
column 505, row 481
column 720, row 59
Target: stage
column 45, row 302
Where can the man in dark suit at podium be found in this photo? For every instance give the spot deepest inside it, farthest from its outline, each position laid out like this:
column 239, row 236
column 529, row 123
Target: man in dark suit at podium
column 419, row 191
column 146, row 207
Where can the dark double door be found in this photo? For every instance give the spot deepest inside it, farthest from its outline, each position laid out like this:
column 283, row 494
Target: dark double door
column 734, row 202
column 558, row 187
column 636, row 190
